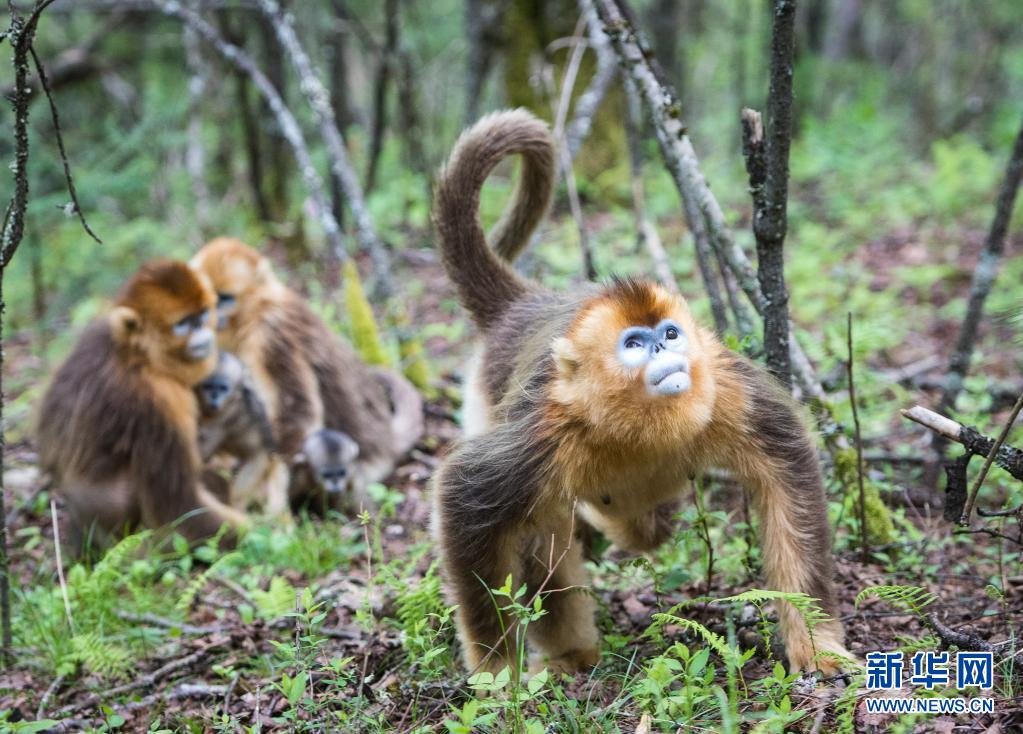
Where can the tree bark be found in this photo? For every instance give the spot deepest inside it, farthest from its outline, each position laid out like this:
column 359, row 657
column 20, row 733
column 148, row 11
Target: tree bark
column 767, row 161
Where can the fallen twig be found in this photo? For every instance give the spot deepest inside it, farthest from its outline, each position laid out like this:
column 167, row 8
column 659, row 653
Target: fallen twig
column 1007, row 457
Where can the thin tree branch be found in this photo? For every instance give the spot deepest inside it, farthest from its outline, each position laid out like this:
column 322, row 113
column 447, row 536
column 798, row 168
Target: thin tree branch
column 289, row 125
column 44, row 82
column 385, row 71
column 984, row 277
column 319, row 101
column 972, row 497
column 589, row 101
column 860, row 469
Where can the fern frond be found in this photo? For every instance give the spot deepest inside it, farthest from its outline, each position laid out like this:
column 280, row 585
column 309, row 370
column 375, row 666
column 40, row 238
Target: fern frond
column 911, row 599
column 716, row 642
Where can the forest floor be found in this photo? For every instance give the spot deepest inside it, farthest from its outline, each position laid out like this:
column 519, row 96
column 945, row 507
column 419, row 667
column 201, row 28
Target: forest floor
column 213, row 665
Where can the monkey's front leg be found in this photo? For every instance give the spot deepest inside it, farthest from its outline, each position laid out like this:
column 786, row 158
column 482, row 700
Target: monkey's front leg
column 566, row 636
column 781, row 468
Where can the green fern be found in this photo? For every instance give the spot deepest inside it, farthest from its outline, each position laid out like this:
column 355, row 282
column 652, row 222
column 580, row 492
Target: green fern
column 717, row 643
column 910, row 599
column 845, row 709
column 198, row 583
column 101, row 656
column 805, row 604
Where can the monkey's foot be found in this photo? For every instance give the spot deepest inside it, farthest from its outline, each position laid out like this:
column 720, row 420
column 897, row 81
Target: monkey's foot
column 825, row 653
column 569, row 661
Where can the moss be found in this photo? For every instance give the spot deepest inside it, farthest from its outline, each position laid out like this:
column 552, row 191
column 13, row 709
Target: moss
column 365, row 334
column 879, row 521
column 413, row 356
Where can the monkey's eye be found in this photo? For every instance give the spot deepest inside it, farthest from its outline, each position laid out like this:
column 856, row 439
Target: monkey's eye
column 225, row 299
column 633, row 343
column 671, row 333
column 182, row 327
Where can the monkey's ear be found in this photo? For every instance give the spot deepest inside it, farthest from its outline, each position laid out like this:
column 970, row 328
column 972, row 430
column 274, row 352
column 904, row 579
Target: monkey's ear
column 264, row 272
column 566, row 359
column 125, row 323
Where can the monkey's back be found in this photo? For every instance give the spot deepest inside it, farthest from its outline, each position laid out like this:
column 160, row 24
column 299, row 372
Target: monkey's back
column 353, row 402
column 99, row 423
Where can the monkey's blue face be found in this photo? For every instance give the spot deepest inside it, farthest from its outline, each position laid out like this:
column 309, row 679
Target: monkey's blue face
column 661, row 353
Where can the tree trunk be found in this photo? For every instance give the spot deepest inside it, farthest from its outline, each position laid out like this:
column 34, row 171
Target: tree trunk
column 984, row 277
column 385, row 71
column 767, row 160
column 339, row 98
column 279, row 164
column 251, row 134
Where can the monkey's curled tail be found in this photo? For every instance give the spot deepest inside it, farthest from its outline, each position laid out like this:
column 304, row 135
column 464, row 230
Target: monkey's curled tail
column 406, row 409
column 485, row 282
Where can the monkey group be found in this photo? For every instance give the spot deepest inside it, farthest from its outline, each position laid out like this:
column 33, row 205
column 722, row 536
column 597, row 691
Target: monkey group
column 211, row 388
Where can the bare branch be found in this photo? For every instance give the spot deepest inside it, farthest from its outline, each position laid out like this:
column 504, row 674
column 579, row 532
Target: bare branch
column 319, row 100
column 45, row 84
column 984, row 277
column 289, row 126
column 972, row 498
column 588, row 103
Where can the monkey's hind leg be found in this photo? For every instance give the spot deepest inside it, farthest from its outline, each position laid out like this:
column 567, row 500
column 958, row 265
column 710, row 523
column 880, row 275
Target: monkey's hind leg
column 565, row 637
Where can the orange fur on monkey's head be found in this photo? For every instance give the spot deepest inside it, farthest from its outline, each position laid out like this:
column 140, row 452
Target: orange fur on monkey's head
column 163, row 315
column 242, row 278
column 632, row 355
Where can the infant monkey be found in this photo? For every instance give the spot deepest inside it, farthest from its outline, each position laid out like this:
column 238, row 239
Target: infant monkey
column 322, row 474
column 233, row 421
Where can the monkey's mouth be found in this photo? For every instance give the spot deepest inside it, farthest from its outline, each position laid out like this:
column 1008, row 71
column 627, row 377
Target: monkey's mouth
column 669, row 378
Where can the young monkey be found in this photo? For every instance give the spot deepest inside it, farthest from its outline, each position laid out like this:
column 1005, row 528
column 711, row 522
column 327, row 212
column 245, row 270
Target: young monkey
column 233, row 421
column 598, row 407
column 322, row 473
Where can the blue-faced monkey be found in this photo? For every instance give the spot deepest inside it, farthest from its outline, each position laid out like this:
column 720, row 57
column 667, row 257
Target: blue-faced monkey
column 598, row 406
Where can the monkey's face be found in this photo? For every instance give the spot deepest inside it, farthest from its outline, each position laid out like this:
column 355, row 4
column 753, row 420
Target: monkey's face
column 330, row 454
column 635, row 344
column 165, row 313
column 660, row 353
column 237, row 273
